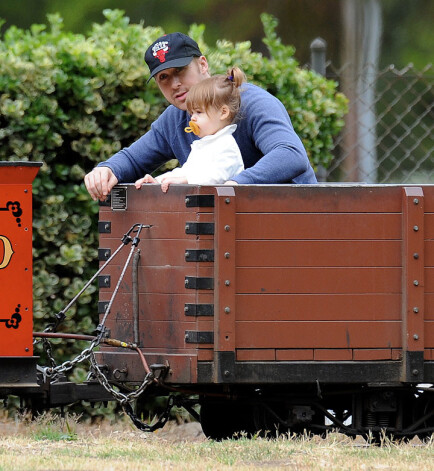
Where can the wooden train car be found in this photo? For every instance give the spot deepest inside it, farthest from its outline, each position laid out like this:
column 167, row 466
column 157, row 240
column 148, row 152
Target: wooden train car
column 301, row 307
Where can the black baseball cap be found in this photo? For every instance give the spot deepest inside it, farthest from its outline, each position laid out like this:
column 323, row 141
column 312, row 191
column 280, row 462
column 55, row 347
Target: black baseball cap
column 171, row 50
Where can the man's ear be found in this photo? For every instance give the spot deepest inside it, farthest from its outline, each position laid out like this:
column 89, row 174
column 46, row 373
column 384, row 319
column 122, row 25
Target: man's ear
column 224, row 113
column 203, row 65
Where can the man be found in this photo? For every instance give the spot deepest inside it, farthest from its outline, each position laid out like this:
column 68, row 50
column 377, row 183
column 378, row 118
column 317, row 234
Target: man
column 271, row 150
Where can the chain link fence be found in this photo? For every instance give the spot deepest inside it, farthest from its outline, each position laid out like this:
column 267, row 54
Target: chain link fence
column 389, row 127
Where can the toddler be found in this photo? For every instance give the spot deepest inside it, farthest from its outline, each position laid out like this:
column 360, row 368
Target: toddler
column 215, row 158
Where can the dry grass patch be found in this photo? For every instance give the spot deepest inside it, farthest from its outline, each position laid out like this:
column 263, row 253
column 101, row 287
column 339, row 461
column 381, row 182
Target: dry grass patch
column 79, row 447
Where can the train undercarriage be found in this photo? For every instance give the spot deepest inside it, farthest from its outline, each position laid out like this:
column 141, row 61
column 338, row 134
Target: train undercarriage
column 367, row 410
column 396, row 411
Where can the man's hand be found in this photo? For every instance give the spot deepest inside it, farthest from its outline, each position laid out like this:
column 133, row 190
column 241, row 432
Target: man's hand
column 99, row 182
column 231, row 182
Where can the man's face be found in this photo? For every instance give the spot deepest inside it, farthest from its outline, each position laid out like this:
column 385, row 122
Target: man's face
column 175, row 83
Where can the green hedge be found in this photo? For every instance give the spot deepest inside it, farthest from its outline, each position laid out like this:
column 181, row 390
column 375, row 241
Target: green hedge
column 71, row 101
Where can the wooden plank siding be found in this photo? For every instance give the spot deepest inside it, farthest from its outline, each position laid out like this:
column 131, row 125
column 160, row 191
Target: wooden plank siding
column 162, row 293
column 319, row 277
column 324, row 270
column 303, row 274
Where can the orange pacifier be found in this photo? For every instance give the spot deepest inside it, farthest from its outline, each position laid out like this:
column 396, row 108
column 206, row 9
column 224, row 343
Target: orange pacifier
column 193, row 127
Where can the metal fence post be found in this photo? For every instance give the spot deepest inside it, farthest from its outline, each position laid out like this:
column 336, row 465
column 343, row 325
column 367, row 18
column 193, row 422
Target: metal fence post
column 318, row 49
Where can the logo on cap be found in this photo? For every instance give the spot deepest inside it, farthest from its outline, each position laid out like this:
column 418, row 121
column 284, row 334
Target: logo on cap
column 160, row 49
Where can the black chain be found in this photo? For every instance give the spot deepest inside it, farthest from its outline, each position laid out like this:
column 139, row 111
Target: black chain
column 144, row 427
column 48, row 351
column 55, row 370
column 123, row 399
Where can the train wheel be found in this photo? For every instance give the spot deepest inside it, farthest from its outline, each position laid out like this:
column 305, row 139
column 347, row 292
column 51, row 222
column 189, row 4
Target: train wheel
column 426, row 409
column 266, row 420
column 225, row 419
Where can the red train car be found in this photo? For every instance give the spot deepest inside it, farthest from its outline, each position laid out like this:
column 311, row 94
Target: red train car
column 17, row 363
column 295, row 306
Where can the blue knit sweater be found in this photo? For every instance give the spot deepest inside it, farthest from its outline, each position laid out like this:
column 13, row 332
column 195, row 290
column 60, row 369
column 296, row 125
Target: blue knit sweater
column 271, row 150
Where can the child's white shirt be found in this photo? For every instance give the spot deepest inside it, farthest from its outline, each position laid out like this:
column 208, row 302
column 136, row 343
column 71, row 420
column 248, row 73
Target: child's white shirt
column 213, row 159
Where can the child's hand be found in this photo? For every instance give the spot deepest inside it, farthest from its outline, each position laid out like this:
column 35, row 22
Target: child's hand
column 166, row 181
column 146, row 179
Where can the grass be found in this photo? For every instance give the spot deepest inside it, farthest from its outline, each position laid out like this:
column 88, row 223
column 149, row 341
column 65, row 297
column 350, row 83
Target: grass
column 52, row 427
column 56, row 443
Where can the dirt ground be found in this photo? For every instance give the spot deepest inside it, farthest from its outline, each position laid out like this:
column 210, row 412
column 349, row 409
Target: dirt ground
column 172, row 431
column 191, row 431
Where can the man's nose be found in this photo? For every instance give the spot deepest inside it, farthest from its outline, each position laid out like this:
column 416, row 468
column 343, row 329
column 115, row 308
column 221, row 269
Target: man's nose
column 176, row 82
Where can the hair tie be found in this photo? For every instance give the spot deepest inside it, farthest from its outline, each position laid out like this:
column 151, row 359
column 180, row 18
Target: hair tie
column 230, row 77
